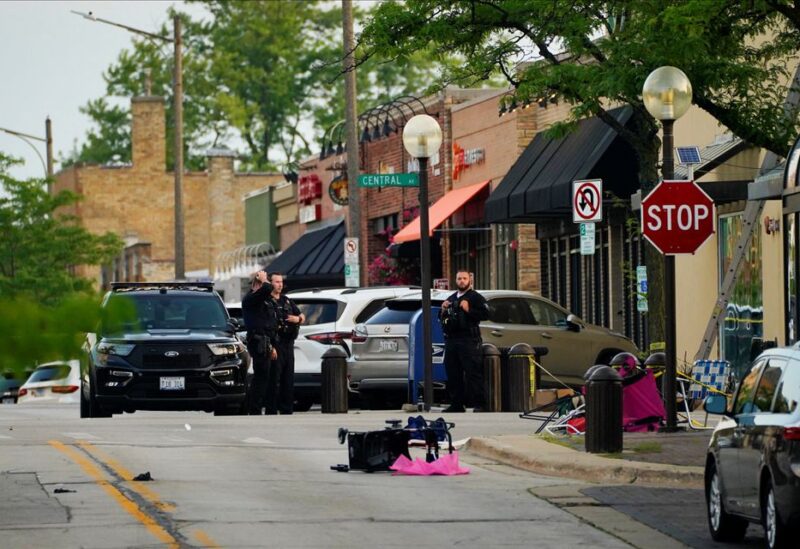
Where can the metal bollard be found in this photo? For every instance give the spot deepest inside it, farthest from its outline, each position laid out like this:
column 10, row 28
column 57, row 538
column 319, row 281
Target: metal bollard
column 604, row 411
column 334, row 381
column 491, row 378
column 516, row 379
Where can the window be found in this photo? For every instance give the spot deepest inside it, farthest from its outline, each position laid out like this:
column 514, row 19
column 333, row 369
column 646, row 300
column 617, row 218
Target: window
column 788, row 391
column 319, row 311
column 392, row 316
column 371, row 308
column 506, row 265
column 508, row 311
column 49, row 373
column 155, row 311
column 744, row 398
column 766, row 387
column 545, row 314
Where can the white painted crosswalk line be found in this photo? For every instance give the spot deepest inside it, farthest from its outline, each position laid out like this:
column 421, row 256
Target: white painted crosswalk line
column 5, row 437
column 82, row 436
column 257, row 440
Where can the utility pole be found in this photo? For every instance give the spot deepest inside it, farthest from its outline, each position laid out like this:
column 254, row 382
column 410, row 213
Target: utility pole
column 180, row 267
column 48, row 136
column 351, row 121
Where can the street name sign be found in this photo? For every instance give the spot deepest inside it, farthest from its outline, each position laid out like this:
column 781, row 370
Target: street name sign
column 587, row 201
column 388, row 180
column 677, row 217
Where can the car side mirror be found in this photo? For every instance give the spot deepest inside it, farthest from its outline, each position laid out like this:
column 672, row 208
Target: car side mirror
column 574, row 323
column 716, row 404
column 234, row 324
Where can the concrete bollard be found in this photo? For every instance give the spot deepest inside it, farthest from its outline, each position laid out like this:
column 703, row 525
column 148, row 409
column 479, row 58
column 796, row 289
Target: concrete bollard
column 603, row 411
column 334, row 381
column 491, row 378
column 515, row 379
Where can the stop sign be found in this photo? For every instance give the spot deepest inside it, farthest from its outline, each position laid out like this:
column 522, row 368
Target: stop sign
column 677, row 217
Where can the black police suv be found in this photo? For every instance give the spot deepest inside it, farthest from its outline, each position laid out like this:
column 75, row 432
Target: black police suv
column 163, row 346
column 753, row 461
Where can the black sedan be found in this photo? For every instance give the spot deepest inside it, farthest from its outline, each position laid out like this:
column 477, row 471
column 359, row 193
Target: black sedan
column 753, row 463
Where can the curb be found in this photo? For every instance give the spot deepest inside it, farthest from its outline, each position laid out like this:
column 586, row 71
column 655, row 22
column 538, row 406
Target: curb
column 548, row 459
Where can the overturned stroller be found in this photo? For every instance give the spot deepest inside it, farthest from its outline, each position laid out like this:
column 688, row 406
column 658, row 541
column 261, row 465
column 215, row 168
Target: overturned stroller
column 388, row 449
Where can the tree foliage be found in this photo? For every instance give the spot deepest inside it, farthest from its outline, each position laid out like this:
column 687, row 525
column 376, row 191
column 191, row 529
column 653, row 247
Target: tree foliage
column 39, row 247
column 264, row 74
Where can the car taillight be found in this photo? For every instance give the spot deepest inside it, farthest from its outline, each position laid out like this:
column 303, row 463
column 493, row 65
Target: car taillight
column 330, row 338
column 791, row 433
column 355, row 337
column 22, row 392
column 65, row 389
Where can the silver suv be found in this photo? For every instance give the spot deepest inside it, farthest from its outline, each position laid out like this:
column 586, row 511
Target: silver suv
column 378, row 368
column 331, row 315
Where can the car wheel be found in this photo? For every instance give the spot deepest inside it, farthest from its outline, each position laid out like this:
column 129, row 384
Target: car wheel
column 721, row 525
column 303, row 404
column 95, row 410
column 85, row 404
column 777, row 533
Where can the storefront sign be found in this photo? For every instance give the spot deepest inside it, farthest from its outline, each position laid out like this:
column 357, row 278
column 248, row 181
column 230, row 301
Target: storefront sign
column 309, row 214
column 441, row 284
column 337, row 190
column 464, row 158
column 388, row 180
column 308, row 188
column 587, row 238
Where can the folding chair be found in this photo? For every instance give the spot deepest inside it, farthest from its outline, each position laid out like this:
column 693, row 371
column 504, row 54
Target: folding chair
column 563, row 409
column 707, row 376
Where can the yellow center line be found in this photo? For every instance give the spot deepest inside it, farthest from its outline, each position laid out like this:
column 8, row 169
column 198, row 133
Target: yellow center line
column 91, row 469
column 204, row 539
column 127, row 476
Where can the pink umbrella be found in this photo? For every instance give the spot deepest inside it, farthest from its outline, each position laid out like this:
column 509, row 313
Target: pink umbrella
column 446, row 465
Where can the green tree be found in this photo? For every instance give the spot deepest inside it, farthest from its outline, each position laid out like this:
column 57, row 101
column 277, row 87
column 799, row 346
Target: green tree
column 592, row 54
column 39, row 246
column 262, row 72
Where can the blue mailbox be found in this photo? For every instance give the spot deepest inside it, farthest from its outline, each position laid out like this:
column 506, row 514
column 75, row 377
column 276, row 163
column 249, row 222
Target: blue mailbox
column 416, row 363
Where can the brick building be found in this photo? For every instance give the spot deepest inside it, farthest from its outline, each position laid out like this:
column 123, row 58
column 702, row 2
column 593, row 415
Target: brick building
column 136, row 202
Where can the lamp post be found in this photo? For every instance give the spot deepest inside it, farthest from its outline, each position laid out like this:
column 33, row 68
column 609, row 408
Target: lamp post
column 667, row 95
column 47, row 140
column 422, row 138
column 177, row 93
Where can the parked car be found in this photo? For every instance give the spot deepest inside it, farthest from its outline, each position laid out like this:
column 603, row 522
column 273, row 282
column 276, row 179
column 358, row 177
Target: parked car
column 9, row 388
column 176, row 349
column 752, row 471
column 52, row 382
column 380, row 345
column 331, row 315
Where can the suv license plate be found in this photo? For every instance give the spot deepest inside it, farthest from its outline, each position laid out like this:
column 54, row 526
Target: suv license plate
column 389, row 345
column 172, row 383
column 8, row 400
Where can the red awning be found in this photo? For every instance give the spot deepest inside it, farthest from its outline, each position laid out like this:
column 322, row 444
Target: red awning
column 440, row 211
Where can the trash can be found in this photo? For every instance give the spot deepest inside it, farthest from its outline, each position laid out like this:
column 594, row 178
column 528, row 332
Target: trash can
column 334, row 381
column 604, row 411
column 491, row 378
column 515, row 378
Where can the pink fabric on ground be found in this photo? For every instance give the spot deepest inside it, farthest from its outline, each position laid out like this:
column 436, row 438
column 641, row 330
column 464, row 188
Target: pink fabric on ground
column 641, row 400
column 446, row 465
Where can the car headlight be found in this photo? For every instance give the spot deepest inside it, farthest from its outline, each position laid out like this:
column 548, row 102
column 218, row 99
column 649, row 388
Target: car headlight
column 224, row 349
column 118, row 349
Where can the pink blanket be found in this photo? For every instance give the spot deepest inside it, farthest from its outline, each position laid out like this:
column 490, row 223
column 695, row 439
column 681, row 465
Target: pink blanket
column 447, row 464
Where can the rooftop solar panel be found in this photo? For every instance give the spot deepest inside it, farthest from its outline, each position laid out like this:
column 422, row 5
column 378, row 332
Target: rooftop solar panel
column 688, row 155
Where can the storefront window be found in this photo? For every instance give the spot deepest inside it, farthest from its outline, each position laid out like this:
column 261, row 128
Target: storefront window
column 790, row 222
column 471, row 249
column 506, row 249
column 743, row 319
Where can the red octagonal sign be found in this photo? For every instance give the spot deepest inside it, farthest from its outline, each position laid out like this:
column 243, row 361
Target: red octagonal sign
column 677, row 217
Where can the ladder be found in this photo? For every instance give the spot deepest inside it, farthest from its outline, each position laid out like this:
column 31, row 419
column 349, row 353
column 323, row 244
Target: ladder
column 752, row 213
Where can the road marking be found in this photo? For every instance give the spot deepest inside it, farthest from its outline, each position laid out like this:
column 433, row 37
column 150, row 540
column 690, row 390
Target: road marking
column 204, row 539
column 82, row 436
column 91, row 469
column 5, row 437
column 127, row 476
column 257, row 440
column 177, row 439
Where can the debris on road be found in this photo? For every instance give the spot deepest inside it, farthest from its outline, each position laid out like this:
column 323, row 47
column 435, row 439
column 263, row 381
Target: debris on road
column 143, row 477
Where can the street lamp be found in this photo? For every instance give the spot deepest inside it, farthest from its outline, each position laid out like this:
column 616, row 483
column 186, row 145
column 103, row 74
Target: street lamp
column 422, row 138
column 177, row 93
column 667, row 95
column 47, row 140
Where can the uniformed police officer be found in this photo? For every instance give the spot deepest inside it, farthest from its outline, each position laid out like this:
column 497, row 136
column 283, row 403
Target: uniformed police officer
column 289, row 318
column 259, row 320
column 460, row 316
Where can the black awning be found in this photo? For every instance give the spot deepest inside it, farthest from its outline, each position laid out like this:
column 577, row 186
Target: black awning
column 538, row 187
column 316, row 259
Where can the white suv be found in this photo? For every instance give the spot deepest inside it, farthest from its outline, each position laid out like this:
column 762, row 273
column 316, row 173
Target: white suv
column 331, row 315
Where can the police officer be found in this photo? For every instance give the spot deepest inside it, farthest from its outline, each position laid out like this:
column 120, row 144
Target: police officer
column 289, row 318
column 259, row 320
column 460, row 316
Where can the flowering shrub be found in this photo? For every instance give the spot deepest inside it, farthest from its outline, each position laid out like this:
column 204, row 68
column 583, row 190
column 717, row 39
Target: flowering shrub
column 390, row 271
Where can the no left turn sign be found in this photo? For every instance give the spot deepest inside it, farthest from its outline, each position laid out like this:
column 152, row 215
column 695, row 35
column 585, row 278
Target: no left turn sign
column 587, row 201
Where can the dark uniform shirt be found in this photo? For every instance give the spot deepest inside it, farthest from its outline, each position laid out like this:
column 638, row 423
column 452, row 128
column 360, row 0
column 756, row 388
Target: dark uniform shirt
column 257, row 312
column 283, row 307
column 458, row 323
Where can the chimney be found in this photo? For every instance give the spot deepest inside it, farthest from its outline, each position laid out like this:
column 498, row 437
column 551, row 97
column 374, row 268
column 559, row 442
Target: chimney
column 149, row 134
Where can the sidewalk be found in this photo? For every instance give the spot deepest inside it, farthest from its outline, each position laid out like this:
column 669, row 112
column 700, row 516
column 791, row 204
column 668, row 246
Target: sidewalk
column 654, row 459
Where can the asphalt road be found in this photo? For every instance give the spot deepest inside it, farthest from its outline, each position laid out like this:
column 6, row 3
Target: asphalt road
column 254, row 481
